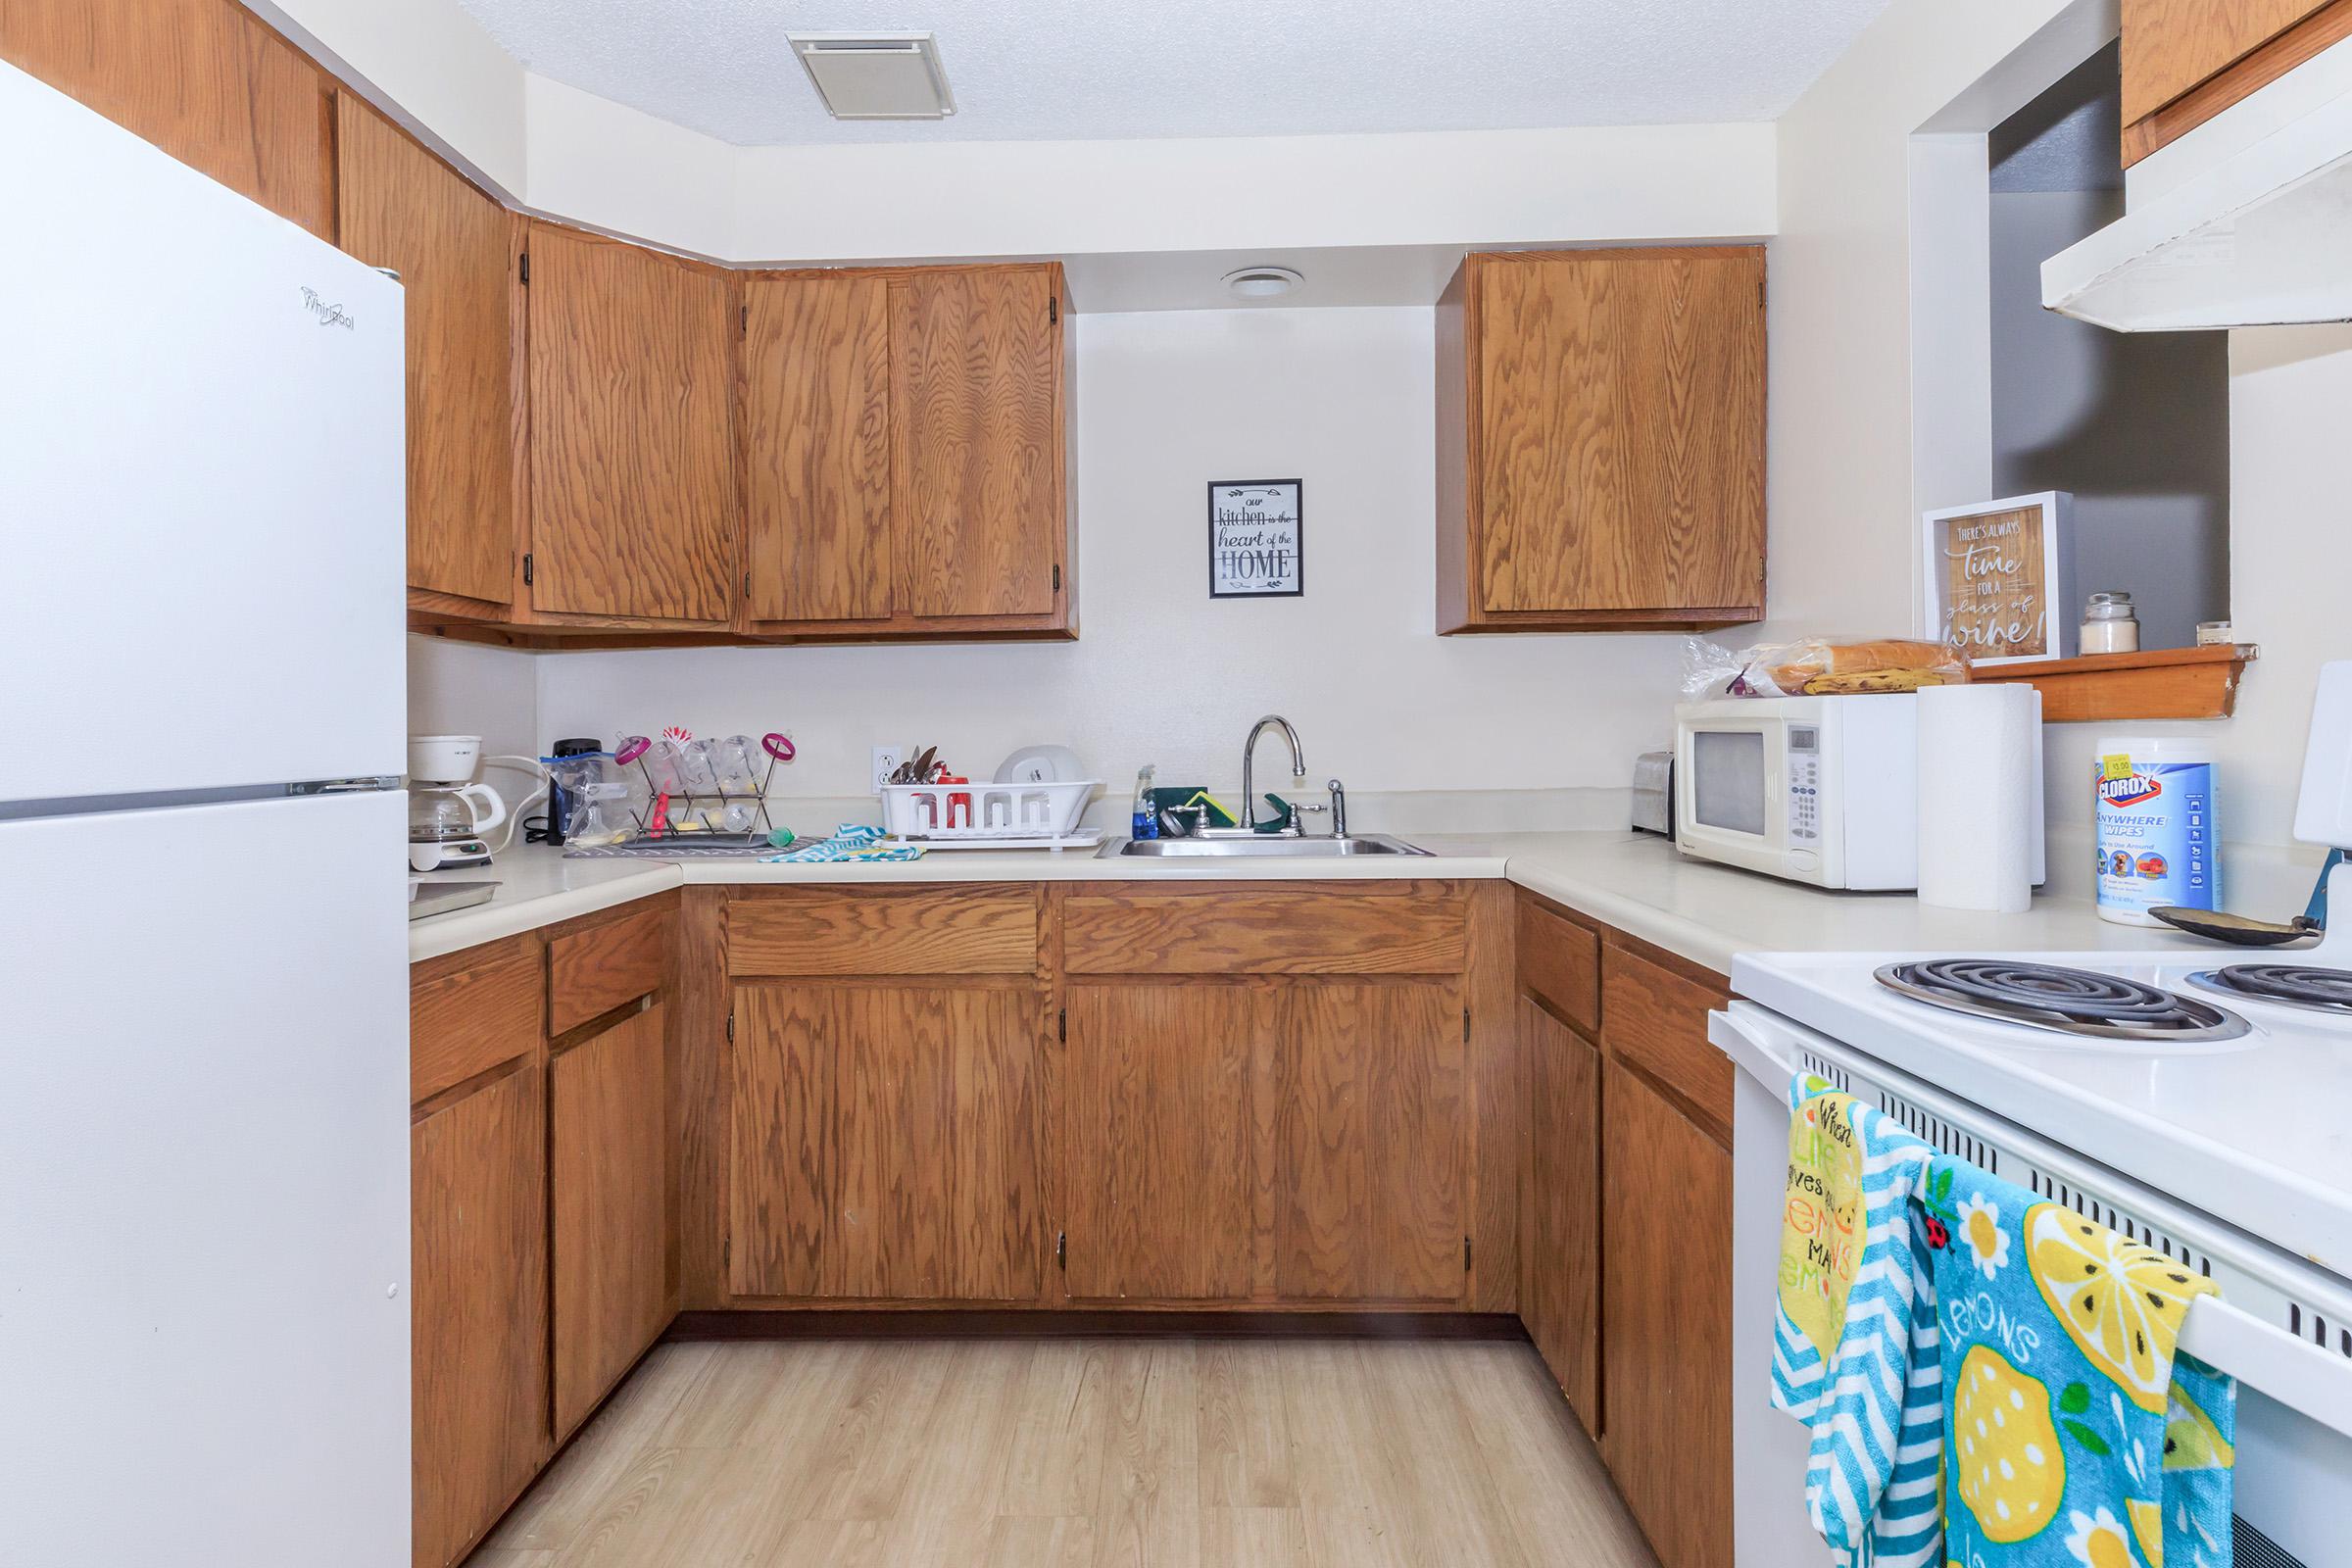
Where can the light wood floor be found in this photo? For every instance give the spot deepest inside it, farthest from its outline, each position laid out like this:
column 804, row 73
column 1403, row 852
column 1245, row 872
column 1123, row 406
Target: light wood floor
column 1073, row 1454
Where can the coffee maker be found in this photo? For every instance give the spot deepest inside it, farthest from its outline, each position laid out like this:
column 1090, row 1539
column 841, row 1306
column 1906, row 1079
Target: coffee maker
column 448, row 811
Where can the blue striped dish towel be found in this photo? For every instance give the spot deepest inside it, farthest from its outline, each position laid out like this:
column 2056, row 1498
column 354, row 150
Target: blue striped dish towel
column 1855, row 1354
column 851, row 840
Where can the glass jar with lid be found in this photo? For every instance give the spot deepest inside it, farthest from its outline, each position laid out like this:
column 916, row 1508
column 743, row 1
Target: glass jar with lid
column 2109, row 624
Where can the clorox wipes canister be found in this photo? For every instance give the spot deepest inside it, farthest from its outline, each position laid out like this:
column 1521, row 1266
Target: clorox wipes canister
column 2154, row 830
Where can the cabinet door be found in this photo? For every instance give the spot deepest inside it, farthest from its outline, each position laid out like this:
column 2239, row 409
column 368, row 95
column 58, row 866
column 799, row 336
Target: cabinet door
column 200, row 78
column 979, row 501
column 1561, row 1289
column 611, row 1200
column 479, row 1314
column 1370, row 1141
column 1666, row 1298
column 1620, row 432
column 404, row 208
column 817, row 447
column 632, row 450
column 885, row 1142
column 1158, row 1134
column 2173, row 45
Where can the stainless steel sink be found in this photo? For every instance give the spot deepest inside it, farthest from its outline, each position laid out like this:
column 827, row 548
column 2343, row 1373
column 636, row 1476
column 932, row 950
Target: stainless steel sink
column 1265, row 846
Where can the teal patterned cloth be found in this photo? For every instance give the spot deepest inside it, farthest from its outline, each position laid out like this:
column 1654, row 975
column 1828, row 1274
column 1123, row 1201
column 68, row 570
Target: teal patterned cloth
column 2074, row 1436
column 851, row 840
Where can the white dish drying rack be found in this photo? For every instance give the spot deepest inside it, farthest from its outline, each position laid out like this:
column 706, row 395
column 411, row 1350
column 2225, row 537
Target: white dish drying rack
column 978, row 815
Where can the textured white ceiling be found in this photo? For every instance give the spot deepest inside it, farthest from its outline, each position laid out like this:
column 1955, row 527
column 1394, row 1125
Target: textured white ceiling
column 1052, row 70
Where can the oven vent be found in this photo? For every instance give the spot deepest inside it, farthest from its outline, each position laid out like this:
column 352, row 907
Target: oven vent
column 1823, row 1068
column 1933, row 1129
column 2306, row 1324
column 2251, row 1548
column 2092, row 1208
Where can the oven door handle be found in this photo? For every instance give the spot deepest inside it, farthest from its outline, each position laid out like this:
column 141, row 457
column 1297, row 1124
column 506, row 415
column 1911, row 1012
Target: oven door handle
column 2306, row 1377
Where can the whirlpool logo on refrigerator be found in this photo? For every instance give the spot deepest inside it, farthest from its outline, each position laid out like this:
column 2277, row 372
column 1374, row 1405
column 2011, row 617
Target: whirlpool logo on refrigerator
column 328, row 314
column 2130, row 791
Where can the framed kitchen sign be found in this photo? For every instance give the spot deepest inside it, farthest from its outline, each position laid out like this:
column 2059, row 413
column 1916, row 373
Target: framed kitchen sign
column 1995, row 578
column 1256, row 539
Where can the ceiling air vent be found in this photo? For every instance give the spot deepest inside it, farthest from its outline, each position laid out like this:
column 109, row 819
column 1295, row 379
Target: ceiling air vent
column 876, row 76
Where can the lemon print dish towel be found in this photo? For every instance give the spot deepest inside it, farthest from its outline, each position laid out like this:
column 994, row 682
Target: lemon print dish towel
column 2075, row 1434
column 1854, row 1355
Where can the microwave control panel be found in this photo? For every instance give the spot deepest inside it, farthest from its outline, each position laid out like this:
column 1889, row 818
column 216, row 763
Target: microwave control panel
column 1804, row 784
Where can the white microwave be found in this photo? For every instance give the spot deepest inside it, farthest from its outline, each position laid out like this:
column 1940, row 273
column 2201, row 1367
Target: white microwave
column 1821, row 789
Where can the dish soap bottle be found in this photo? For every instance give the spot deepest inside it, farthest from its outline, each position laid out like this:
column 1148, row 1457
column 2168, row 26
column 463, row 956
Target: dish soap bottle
column 1146, row 824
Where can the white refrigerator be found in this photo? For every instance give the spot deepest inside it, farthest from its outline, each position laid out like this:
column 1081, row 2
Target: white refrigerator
column 204, row 1132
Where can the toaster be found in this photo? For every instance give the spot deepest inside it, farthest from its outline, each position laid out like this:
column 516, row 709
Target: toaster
column 1653, row 793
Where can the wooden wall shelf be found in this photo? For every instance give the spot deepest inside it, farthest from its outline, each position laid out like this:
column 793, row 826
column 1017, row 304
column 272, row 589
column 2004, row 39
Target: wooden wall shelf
column 2163, row 684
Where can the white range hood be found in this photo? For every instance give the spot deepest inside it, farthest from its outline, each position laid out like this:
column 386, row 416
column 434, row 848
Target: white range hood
column 2253, row 227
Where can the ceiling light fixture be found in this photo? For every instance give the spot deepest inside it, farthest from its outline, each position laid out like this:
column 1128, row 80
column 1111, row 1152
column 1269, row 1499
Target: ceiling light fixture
column 876, row 76
column 1263, row 282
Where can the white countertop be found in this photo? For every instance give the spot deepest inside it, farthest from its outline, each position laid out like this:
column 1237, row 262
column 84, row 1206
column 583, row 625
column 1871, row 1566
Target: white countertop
column 1638, row 884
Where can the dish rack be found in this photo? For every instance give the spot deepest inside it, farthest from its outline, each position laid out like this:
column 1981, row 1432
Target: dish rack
column 976, row 812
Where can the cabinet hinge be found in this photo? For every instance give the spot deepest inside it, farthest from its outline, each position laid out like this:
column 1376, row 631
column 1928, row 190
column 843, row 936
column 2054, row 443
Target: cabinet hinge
column 730, row 1028
column 1054, row 310
column 1465, row 1254
column 747, row 321
column 524, row 264
column 1061, row 1251
column 726, row 1251
column 747, row 585
column 1061, row 1028
column 526, row 568
column 1057, row 576
column 1465, row 1026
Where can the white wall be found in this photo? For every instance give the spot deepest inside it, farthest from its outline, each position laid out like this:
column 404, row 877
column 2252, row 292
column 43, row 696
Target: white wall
column 569, row 154
column 1845, row 485
column 1166, row 403
column 467, row 689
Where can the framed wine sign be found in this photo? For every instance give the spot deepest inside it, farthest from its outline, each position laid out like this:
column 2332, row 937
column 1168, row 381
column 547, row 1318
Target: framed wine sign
column 1995, row 578
column 1256, row 539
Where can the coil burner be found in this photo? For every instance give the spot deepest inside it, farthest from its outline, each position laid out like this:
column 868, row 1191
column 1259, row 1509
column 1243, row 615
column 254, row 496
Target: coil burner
column 2288, row 985
column 2069, row 1002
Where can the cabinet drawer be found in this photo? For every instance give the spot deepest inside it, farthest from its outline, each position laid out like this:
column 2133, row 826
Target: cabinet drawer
column 1383, row 928
column 959, row 931
column 464, row 1021
column 593, row 971
column 1658, row 1020
column 1559, row 961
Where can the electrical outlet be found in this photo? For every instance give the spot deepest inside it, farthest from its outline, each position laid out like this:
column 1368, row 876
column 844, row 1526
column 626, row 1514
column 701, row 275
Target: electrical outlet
column 886, row 762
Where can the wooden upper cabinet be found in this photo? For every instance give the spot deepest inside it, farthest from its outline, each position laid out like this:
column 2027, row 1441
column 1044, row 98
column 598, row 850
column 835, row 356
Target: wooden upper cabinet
column 2185, row 60
column 905, row 452
column 632, row 446
column 1601, row 440
column 200, row 78
column 453, row 246
column 980, row 487
column 817, row 441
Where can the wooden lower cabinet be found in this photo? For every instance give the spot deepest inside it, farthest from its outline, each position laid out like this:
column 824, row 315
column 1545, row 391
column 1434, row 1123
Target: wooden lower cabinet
column 884, row 1143
column 479, row 1311
column 1157, row 1136
column 1371, row 1142
column 1666, row 1284
column 608, row 1126
column 1296, row 1139
column 1561, row 1288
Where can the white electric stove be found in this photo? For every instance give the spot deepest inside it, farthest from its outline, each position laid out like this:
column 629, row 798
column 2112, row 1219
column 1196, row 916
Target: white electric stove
column 2196, row 1100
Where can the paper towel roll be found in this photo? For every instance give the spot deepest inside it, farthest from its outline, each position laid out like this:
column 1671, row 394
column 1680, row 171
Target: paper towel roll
column 1979, row 796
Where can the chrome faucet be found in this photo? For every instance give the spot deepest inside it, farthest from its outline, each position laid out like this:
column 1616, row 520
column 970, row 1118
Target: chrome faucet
column 1248, row 755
